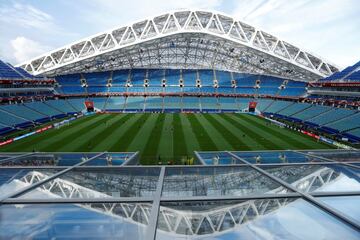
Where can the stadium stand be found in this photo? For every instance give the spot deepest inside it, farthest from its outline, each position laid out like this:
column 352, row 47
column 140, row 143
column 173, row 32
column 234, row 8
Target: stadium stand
column 345, row 75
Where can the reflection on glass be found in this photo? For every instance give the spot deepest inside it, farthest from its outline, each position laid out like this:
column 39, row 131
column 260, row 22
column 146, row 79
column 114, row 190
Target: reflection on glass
column 69, row 221
column 100, row 183
column 217, row 181
column 12, row 180
column 348, row 205
column 341, row 156
column 110, row 159
column 318, row 178
column 219, row 158
column 252, row 219
column 275, row 157
column 49, row 159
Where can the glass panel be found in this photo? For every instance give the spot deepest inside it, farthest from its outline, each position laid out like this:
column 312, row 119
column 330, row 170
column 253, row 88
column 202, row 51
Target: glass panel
column 339, row 155
column 275, row 157
column 318, row 178
column 219, row 158
column 217, row 181
column 69, row 221
column 49, row 159
column 12, row 180
column 100, row 183
column 252, row 219
column 110, row 159
column 348, row 205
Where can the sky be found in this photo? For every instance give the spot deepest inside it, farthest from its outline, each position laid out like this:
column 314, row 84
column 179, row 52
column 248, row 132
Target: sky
column 328, row 28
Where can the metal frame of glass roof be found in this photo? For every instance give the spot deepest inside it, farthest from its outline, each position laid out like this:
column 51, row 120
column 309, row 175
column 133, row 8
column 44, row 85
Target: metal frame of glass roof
column 157, row 192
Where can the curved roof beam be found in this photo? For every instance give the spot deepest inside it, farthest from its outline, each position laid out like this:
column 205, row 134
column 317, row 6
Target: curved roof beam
column 296, row 63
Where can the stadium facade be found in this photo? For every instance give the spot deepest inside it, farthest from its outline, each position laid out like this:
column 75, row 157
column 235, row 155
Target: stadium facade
column 191, row 61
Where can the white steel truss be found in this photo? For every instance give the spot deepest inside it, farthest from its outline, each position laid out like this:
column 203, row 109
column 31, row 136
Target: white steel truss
column 184, row 39
column 197, row 219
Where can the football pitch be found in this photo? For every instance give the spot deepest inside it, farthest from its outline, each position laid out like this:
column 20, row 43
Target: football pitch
column 163, row 137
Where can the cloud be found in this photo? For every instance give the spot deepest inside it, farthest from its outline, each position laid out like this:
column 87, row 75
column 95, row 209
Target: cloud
column 24, row 48
column 318, row 26
column 25, row 15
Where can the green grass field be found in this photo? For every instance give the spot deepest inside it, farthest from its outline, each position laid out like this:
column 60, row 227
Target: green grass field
column 165, row 137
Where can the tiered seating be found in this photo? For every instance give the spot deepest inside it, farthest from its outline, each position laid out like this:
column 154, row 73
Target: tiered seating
column 245, row 80
column 157, row 89
column 115, row 103
column 7, row 72
column 117, row 88
column 153, row 103
column 262, row 104
column 10, row 120
column 99, row 102
column 189, row 77
column 269, row 85
column 172, row 103
column 343, row 74
column 155, row 77
column 277, row 106
column 224, row 78
column 119, row 77
column 294, row 108
column 138, row 77
column 61, row 105
column 191, row 103
column 208, row 89
column 77, row 103
column 226, row 90
column 208, row 103
column 24, row 112
column 172, row 77
column 206, row 77
column 43, row 109
column 135, row 103
column 172, row 89
column 135, row 89
column 292, row 92
column 355, row 132
column 228, row 103
column 243, row 103
column 245, row 90
column 355, row 76
column 331, row 116
column 97, row 81
column 311, row 112
column 70, row 84
column 347, row 123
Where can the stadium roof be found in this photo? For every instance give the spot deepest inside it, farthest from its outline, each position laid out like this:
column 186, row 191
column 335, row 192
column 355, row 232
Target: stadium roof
column 184, row 39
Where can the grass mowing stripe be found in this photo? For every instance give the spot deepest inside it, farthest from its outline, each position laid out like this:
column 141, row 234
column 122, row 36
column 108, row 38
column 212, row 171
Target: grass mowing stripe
column 127, row 137
column 191, row 142
column 166, row 144
column 284, row 141
column 73, row 140
column 101, row 131
column 225, row 130
column 295, row 144
column 150, row 152
column 30, row 142
column 251, row 141
column 220, row 141
column 142, row 137
column 251, row 133
column 299, row 140
column 178, row 138
column 205, row 142
column 111, row 141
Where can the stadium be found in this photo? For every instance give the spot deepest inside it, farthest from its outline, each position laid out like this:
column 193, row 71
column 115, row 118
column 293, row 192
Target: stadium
column 187, row 125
